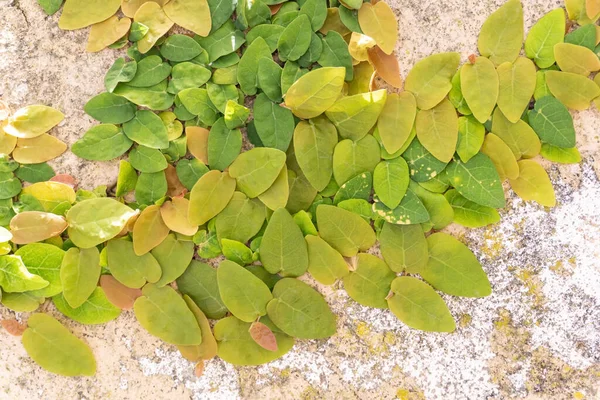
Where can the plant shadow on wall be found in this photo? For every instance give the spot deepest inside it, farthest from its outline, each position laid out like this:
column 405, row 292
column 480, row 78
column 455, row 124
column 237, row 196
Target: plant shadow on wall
column 336, row 166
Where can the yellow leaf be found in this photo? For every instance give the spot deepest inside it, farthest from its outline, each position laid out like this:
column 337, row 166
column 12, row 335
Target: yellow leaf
column 534, row 184
column 315, row 92
column 396, row 120
column 175, row 216
column 38, row 150
column 592, row 8
column 32, row 121
column 277, row 195
column 363, row 72
column 479, row 86
column 437, row 130
column 573, row 90
column 35, row 226
column 576, row 59
column 503, row 158
column 520, row 137
column 130, row 7
column 149, row 230
column 153, row 16
column 517, row 84
column 197, row 142
column 501, row 36
column 193, row 15
column 430, row 80
column 379, row 22
column 107, row 32
column 78, row 14
column 7, row 142
column 358, row 46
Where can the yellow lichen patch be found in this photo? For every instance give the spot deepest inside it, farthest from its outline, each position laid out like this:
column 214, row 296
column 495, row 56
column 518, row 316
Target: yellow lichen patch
column 107, row 32
column 464, row 320
column 492, row 245
column 362, row 329
column 533, row 284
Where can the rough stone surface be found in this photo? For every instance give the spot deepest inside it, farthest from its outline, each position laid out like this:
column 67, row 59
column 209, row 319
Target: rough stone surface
column 536, row 336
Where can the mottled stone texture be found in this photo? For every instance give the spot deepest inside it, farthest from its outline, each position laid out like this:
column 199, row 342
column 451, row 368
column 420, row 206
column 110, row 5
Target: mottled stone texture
column 536, row 336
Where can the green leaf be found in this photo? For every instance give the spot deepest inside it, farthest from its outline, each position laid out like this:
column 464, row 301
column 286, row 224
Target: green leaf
column 251, row 13
column 423, row 165
column 583, row 36
column 220, row 11
column 137, row 32
column 290, row 74
column 453, row 269
column 150, row 188
column 153, row 97
column 151, row 71
column 456, row 97
column 346, row 232
column 560, row 155
column 126, row 180
column 314, row 52
column 478, row 181
column 440, row 212
column 313, row 93
column 10, row 186
column 190, row 171
column 410, row 211
column 102, row 143
column 145, row 159
column 237, row 252
column 121, row 71
column 147, row 129
column 295, row 39
column 241, row 219
column 390, row 181
column 325, row 264
column 283, row 249
column 479, row 86
column 44, row 260
column 95, row 221
column 55, row 349
column 248, row 65
column 403, row 247
column 396, row 120
column 224, row 145
column 197, row 102
column 50, row 6
column 22, row 302
column 14, row 276
column 128, row 268
column 79, row 274
column 54, row 197
column 521, row 139
column 274, row 124
column 243, row 294
column 314, row 143
column 110, row 109
column 209, row 196
column 335, row 54
column 237, row 347
column 300, row 311
column 501, row 36
column 352, row 158
column 173, row 256
column 199, row 281
column 187, row 75
column 470, row 214
column 471, row 134
column 220, row 94
column 236, row 115
column 95, row 310
column 358, row 187
column 417, row 305
column 34, row 173
column 534, row 184
column 437, row 130
column 179, row 48
column 278, row 194
column 543, row 35
column 269, row 33
column 552, row 122
column 316, row 10
column 354, row 116
column 430, row 79
column 370, row 282
column 164, row 314
column 256, row 170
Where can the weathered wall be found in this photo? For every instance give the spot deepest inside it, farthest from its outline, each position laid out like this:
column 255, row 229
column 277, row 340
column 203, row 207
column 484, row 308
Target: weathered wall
column 537, row 335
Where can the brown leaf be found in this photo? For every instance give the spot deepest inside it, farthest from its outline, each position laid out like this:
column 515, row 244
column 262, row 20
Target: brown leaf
column 35, row 226
column 66, row 179
column 174, row 186
column 175, row 215
column 199, row 369
column 263, row 336
column 386, row 66
column 149, row 230
column 13, row 327
column 275, row 7
column 117, row 293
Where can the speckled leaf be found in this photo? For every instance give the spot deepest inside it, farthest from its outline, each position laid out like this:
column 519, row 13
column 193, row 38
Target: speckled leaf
column 325, row 264
column 517, row 84
column 430, row 79
column 210, row 196
column 379, row 22
column 345, row 231
column 358, row 187
column 256, row 170
column 520, row 137
column 501, row 36
column 79, row 274
column 354, row 116
column 503, row 158
column 163, row 313
column 543, row 35
column 370, row 282
column 55, row 349
column 423, row 165
column 282, row 248
column 315, row 92
column 534, row 184
column 573, row 90
column 437, row 130
column 410, row 211
column 477, row 180
column 316, row 321
column 353, row 158
column 417, row 305
column 470, row 214
column 274, row 124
